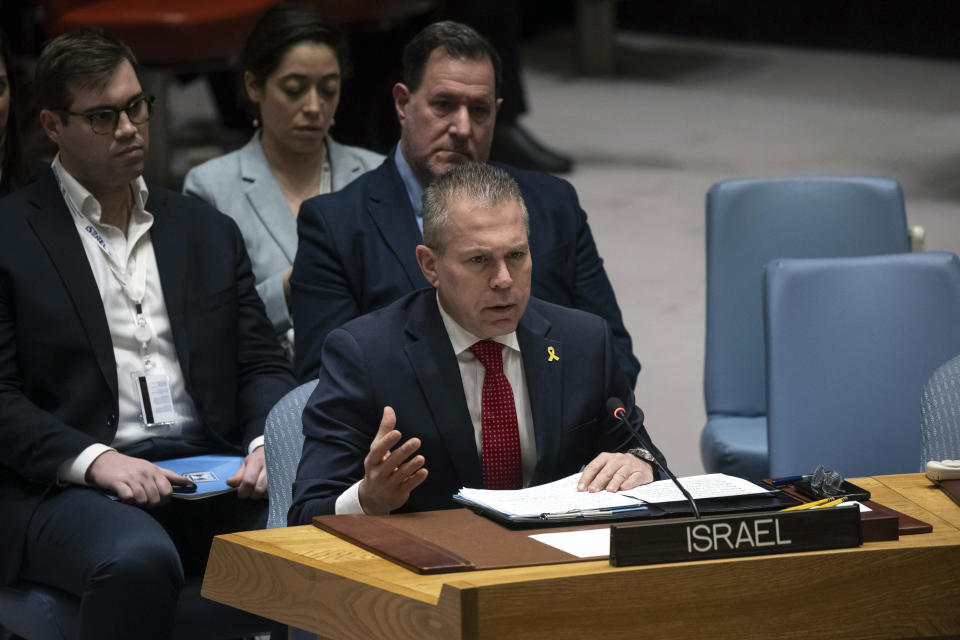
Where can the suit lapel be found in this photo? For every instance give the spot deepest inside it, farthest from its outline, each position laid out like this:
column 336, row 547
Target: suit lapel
column 389, row 206
column 435, row 366
column 53, row 223
column 169, row 245
column 543, row 364
column 266, row 199
column 346, row 166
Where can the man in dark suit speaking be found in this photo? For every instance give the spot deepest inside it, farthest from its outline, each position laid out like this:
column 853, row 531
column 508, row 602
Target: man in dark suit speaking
column 356, row 246
column 130, row 331
column 490, row 387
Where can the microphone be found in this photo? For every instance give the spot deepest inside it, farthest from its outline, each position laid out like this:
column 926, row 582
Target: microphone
column 619, row 412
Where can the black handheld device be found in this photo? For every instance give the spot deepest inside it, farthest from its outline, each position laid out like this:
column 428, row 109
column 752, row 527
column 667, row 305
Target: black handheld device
column 187, row 487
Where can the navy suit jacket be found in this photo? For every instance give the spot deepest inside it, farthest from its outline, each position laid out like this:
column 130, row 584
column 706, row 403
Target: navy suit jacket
column 356, row 253
column 58, row 375
column 401, row 356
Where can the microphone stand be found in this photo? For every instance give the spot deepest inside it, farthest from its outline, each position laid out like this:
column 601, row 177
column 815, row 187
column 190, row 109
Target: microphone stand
column 619, row 412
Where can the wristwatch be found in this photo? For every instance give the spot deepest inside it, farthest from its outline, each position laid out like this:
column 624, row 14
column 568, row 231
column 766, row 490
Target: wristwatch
column 642, row 453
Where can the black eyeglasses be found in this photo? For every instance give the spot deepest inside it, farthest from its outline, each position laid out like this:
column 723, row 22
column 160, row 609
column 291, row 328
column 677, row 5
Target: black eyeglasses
column 103, row 120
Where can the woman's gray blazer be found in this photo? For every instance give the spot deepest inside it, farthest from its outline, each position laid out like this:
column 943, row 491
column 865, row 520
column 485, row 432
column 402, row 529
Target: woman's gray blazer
column 241, row 185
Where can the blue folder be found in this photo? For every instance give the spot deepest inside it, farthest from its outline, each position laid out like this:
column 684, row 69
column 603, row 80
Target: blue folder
column 209, row 473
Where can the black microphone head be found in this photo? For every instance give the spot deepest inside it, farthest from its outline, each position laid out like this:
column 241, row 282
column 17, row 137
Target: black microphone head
column 615, row 406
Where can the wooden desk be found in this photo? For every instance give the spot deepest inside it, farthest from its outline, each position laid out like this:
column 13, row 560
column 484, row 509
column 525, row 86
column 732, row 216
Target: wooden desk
column 905, row 589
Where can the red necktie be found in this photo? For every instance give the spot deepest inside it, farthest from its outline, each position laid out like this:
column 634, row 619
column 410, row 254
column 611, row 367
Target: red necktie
column 499, row 433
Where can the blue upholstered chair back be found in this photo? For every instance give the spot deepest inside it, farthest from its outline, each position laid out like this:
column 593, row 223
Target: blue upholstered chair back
column 750, row 222
column 940, row 414
column 850, row 343
column 38, row 612
column 283, row 445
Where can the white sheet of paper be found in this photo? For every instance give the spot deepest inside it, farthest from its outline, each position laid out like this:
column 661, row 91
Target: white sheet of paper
column 562, row 496
column 863, row 508
column 554, row 497
column 711, row 485
column 591, row 543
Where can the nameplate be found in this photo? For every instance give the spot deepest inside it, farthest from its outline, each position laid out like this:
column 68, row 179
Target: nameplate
column 735, row 536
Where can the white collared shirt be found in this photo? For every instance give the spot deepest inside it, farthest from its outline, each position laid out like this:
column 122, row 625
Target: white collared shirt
column 119, row 308
column 472, row 374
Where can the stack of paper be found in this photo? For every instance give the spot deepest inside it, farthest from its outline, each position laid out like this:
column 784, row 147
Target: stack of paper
column 711, row 485
column 561, row 496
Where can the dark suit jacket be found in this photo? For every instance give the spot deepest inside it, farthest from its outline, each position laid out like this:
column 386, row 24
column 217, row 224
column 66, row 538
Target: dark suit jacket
column 356, row 254
column 401, row 356
column 58, row 376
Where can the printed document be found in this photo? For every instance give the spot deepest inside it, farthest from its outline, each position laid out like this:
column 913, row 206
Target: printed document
column 561, row 496
column 711, row 485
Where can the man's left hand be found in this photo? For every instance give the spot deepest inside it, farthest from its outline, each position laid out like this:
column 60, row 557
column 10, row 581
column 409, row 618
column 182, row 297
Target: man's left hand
column 614, row 472
column 251, row 478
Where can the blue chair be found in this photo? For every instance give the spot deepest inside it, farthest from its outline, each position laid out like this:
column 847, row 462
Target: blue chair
column 850, row 343
column 38, row 612
column 283, row 445
column 940, row 414
column 750, row 222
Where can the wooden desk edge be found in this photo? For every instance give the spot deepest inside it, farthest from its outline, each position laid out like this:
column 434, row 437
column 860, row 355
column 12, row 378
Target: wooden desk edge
column 252, row 573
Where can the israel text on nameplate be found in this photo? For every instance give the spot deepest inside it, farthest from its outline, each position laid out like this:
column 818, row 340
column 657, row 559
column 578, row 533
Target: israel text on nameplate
column 732, row 536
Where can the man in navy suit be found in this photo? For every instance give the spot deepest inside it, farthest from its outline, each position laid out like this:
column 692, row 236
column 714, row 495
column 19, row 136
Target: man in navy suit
column 356, row 246
column 491, row 388
column 130, row 331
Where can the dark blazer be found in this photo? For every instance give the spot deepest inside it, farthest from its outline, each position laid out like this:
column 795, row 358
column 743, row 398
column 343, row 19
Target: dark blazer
column 401, row 356
column 58, row 376
column 356, row 254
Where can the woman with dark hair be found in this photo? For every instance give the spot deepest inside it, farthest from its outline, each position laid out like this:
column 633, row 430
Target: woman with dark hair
column 292, row 67
column 12, row 174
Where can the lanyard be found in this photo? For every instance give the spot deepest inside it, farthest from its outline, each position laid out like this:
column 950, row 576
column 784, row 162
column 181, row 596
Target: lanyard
column 135, row 291
column 134, row 288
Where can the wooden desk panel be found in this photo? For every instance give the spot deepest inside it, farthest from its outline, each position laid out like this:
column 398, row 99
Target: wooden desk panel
column 313, row 580
column 924, row 493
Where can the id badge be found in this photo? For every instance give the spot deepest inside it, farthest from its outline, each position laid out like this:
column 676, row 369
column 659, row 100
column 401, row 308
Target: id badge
column 156, row 400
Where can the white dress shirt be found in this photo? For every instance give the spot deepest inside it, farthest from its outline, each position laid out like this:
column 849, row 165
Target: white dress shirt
column 472, row 374
column 125, row 252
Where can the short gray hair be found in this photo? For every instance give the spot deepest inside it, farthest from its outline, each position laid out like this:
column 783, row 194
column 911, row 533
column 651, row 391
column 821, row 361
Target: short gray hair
column 475, row 182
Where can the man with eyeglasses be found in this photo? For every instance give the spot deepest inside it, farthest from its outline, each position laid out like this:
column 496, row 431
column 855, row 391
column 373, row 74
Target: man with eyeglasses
column 130, row 331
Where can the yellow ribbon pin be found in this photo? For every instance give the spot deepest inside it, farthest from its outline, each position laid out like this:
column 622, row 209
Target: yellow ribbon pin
column 553, row 354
